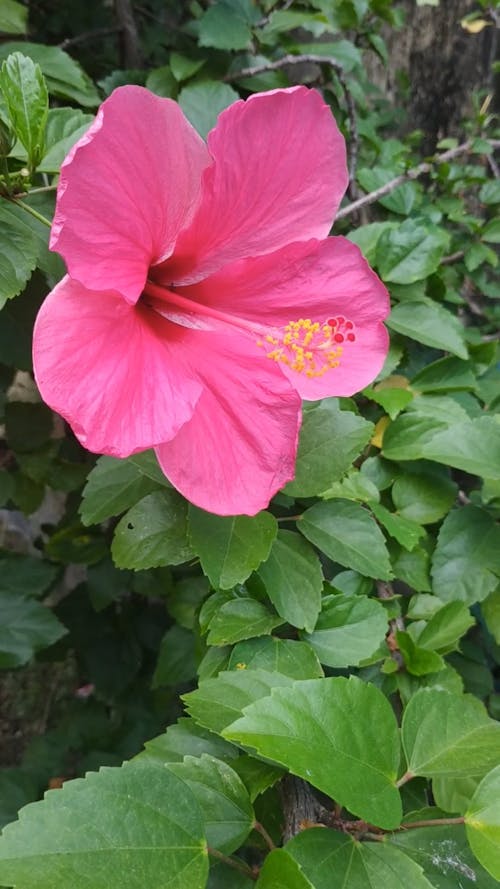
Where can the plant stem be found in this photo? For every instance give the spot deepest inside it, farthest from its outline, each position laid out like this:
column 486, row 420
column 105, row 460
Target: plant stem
column 431, row 822
column 264, row 834
column 31, row 211
column 237, row 865
column 404, row 779
column 6, row 174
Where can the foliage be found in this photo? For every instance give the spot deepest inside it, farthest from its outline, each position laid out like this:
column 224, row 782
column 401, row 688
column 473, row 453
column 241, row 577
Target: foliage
column 344, row 643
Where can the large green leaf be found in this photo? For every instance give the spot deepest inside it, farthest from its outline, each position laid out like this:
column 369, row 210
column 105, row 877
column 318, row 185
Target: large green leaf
column 13, row 17
column 446, row 627
column 295, row 659
column 25, row 94
column 326, row 731
column 112, row 487
column 218, row 702
column 330, row 439
column 444, row 855
column 349, row 630
column 153, row 533
column 348, row 534
column 222, row 797
column 450, row 735
column 427, row 322
column 18, row 257
column 132, row 827
column 482, row 823
column 466, row 561
column 230, row 547
column 333, row 860
column 64, row 76
column 424, row 497
column 293, row 579
column 410, row 252
column 26, row 627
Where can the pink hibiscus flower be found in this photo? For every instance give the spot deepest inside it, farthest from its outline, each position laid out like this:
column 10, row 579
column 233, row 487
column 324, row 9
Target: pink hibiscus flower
column 203, row 298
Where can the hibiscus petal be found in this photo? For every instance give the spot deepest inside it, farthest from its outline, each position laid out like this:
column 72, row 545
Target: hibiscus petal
column 278, row 176
column 113, row 371
column 317, row 281
column 126, row 189
column 239, row 447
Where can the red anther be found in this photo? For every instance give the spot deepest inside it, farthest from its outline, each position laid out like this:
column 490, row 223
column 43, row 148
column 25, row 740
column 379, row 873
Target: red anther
column 338, row 338
column 351, row 338
column 349, row 325
column 340, row 319
column 332, row 322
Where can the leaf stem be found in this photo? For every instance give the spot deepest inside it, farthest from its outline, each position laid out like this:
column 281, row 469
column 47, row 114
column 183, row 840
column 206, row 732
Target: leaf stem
column 404, row 779
column 231, row 862
column 431, row 822
column 31, row 211
column 264, row 834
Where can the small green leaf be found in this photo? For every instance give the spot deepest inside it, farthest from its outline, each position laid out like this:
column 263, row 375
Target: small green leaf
column 466, row 561
column 330, row 439
column 26, row 627
column 223, row 28
column 327, row 731
column 112, row 487
column 294, row 659
column 400, row 200
column 446, row 627
column 349, row 630
column 64, row 127
column 230, row 547
column 185, row 738
column 25, row 94
column 281, row 871
column 25, row 575
column 202, row 103
column 241, row 619
column 491, row 232
column 349, row 535
column 218, row 702
column 482, row 823
column 153, row 533
column 177, row 658
column 18, row 256
column 404, row 530
column 411, row 251
column 13, row 17
column 423, row 497
column 449, row 735
column 222, row 797
column 183, row 67
column 427, row 322
column 131, row 827
column 293, row 579
column 367, row 237
column 419, row 661
column 327, row 855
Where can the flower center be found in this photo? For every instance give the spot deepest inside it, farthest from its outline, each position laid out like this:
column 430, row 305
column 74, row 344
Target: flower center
column 304, row 346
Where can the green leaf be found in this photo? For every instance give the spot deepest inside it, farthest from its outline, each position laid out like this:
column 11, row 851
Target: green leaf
column 65, row 78
column 256, row 774
column 491, row 232
column 466, row 561
column 281, row 871
column 419, row 661
column 230, row 547
column 349, row 630
column 131, row 827
column 293, row 579
column 404, row 530
column 477, row 254
column 330, row 439
column 223, row 28
column 162, row 82
column 424, row 431
column 392, row 400
column 367, row 237
column 482, row 823
column 445, row 375
column 327, row 731
column 26, row 627
column 449, row 735
column 491, row 612
column 185, row 738
column 18, row 257
column 25, row 94
column 218, row 702
column 147, row 463
column 490, row 192
column 349, row 535
column 424, row 497
column 222, row 797
column 32, row 228
column 13, row 17
column 331, row 859
column 64, row 127
column 112, row 487
column 177, row 658
column 202, row 103
column 401, row 200
column 153, row 533
column 17, row 787
column 454, row 794
column 183, row 67
column 241, row 619
column 411, row 251
column 446, row 627
column 25, row 575
column 444, row 855
column 294, row 659
column 427, row 322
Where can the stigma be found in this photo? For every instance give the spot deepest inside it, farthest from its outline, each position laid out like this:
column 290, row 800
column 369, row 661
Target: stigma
column 310, row 347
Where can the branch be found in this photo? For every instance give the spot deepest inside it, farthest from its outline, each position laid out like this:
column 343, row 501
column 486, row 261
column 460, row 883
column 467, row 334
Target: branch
column 88, row 35
column 131, row 51
column 311, row 58
column 410, row 174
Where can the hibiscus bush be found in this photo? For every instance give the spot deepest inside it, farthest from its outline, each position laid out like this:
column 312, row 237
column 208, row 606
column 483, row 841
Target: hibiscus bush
column 250, row 479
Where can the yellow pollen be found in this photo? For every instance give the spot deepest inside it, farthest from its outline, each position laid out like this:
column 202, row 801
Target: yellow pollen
column 310, row 347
